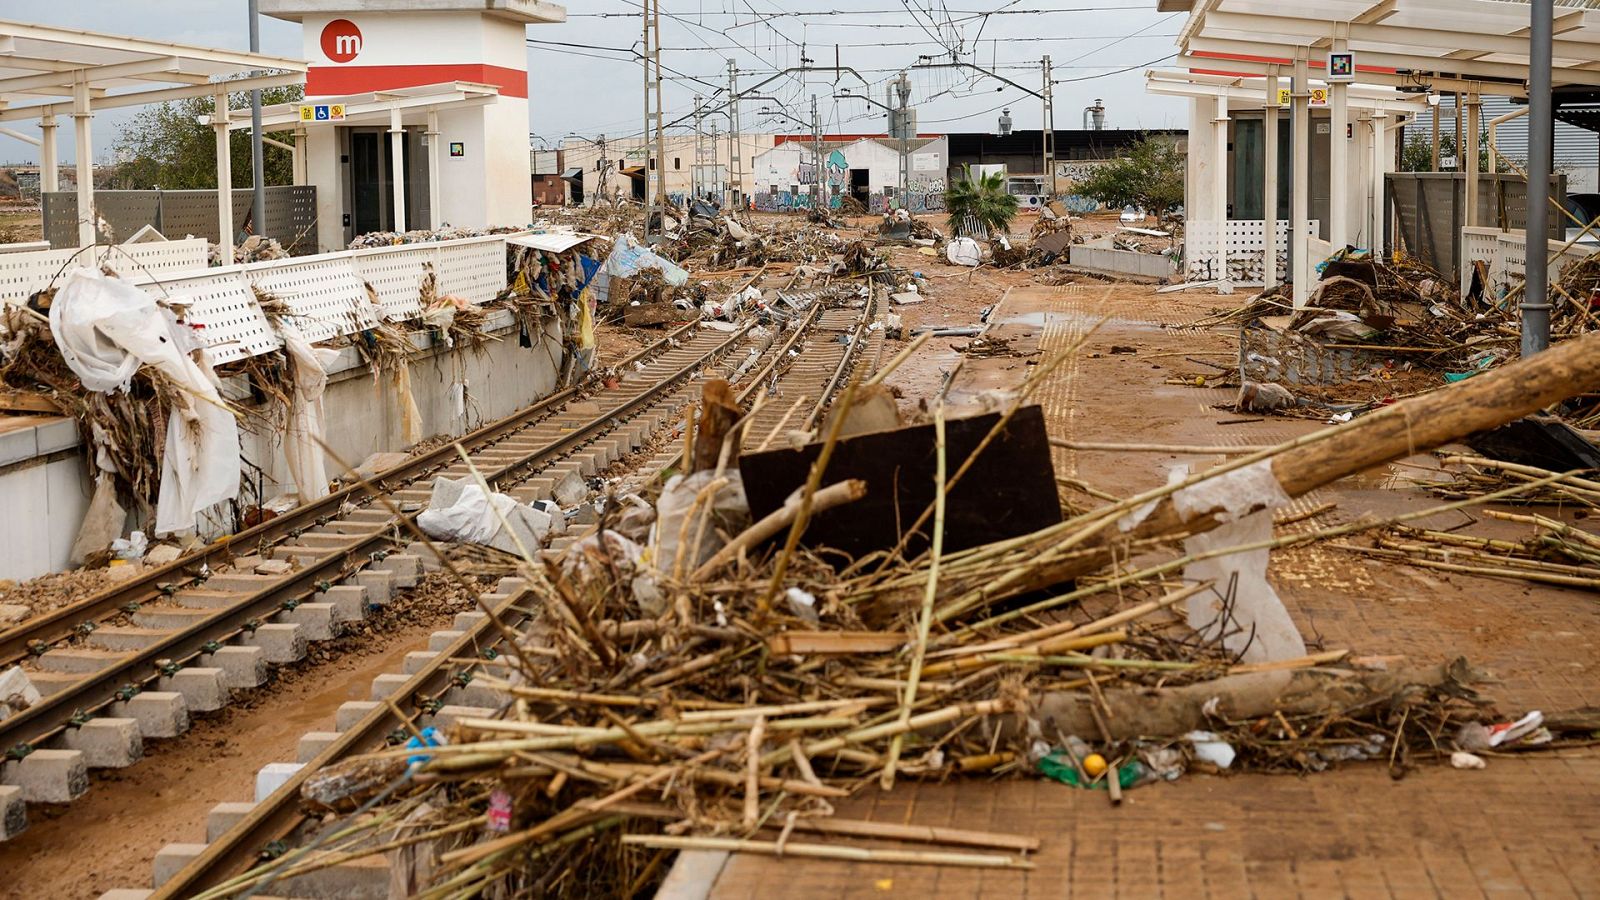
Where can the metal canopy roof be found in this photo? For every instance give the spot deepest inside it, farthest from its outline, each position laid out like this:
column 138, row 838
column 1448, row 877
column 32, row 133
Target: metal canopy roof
column 375, row 108
column 1250, row 91
column 527, row 12
column 47, row 62
column 1483, row 41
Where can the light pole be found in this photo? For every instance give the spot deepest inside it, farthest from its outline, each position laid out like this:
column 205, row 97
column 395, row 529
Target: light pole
column 258, row 166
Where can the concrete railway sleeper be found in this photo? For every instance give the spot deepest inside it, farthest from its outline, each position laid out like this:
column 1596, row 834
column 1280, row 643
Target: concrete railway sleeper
column 437, row 686
column 189, row 646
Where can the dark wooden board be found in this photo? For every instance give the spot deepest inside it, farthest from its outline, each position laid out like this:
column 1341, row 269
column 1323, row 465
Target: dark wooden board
column 1009, row 491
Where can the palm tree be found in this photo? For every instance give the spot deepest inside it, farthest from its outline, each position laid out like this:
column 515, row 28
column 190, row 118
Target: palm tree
column 984, row 199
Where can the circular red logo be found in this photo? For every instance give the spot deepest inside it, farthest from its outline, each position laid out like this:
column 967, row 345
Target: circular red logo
column 341, row 40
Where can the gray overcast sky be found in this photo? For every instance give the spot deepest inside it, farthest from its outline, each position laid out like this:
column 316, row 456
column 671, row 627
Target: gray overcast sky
column 592, row 87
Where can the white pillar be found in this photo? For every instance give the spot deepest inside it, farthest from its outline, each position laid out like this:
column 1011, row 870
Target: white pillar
column 300, row 176
column 1468, row 154
column 1299, row 187
column 1224, row 283
column 397, row 170
column 219, row 124
column 1378, row 213
column 1269, row 182
column 1339, row 160
column 82, row 112
column 435, row 216
column 49, row 155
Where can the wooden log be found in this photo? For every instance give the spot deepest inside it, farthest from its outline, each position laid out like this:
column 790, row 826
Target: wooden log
column 829, row 851
column 926, row 834
column 1169, row 712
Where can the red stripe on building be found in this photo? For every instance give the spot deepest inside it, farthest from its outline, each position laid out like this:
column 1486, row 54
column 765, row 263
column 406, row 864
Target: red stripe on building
column 334, row 81
column 1279, row 60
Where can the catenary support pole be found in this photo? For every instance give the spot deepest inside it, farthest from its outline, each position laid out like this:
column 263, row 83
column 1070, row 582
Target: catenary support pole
column 397, row 168
column 1300, row 181
column 1536, row 293
column 258, row 164
column 1269, row 182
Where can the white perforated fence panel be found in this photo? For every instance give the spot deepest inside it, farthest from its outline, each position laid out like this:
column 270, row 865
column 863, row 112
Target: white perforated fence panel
column 1247, row 250
column 326, row 298
column 396, row 275
column 474, row 268
column 231, row 323
column 23, row 274
column 326, row 295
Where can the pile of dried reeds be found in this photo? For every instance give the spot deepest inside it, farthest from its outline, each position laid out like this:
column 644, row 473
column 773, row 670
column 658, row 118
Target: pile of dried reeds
column 781, row 679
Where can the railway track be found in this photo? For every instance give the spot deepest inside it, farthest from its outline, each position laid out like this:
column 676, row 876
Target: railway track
column 181, row 637
column 807, row 364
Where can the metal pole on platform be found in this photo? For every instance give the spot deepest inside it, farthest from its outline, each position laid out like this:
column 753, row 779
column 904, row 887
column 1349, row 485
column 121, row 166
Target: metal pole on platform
column 258, row 165
column 1536, row 292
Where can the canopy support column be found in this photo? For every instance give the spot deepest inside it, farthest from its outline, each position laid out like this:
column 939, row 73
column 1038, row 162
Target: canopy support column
column 1339, row 192
column 300, row 174
column 397, row 172
column 82, row 112
column 1269, row 182
column 49, row 155
column 1224, row 283
column 435, row 214
column 1469, row 157
column 1379, row 209
column 1300, row 172
column 219, row 123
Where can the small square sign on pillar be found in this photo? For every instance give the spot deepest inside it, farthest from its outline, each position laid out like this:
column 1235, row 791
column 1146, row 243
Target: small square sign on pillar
column 458, row 148
column 1341, row 67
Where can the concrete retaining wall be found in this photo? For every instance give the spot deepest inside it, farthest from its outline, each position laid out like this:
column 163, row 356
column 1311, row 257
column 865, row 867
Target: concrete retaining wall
column 45, row 481
column 1122, row 262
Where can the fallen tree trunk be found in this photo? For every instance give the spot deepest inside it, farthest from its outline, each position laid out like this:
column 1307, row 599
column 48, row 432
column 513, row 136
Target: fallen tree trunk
column 1170, row 712
column 1411, row 426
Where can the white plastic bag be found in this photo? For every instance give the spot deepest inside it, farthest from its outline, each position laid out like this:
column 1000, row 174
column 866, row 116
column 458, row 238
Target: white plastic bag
column 679, row 520
column 964, row 251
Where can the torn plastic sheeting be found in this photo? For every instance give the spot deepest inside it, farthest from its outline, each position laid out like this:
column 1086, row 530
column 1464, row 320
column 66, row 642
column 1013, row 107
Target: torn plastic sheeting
column 106, row 329
column 1242, row 610
column 628, row 257
column 461, row 511
column 306, row 429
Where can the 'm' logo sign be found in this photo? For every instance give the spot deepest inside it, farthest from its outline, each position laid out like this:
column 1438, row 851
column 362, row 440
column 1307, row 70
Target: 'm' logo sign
column 341, row 40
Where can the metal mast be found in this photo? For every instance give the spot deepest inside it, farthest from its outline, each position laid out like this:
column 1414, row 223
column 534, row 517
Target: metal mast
column 1048, row 142
column 735, row 164
column 902, row 87
column 694, row 167
column 652, row 114
column 817, row 195
column 1536, row 291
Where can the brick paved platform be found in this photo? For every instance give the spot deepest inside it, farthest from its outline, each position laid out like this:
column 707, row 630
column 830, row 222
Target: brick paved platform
column 1524, row 827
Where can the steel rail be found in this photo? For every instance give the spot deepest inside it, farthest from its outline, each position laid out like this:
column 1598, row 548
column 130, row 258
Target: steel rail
column 47, row 719
column 34, row 635
column 277, row 817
